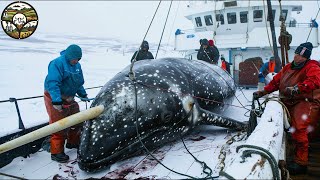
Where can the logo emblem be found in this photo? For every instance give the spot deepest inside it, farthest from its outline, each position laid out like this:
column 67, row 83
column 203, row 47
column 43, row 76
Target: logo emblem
column 19, row 20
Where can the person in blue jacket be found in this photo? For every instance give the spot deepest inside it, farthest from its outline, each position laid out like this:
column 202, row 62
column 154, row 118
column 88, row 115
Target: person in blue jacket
column 63, row 82
column 266, row 68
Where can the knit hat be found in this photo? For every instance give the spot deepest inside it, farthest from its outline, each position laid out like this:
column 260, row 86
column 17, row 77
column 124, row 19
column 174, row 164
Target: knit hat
column 145, row 44
column 200, row 41
column 205, row 42
column 73, row 52
column 211, row 42
column 222, row 58
column 272, row 58
column 304, row 49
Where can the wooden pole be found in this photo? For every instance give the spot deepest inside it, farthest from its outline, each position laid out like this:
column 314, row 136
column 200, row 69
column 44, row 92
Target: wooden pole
column 52, row 128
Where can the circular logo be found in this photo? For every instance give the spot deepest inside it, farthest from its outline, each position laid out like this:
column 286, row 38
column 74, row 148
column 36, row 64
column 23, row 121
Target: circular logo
column 19, row 20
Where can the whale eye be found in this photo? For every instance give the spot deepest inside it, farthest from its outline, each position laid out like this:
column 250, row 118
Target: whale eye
column 166, row 116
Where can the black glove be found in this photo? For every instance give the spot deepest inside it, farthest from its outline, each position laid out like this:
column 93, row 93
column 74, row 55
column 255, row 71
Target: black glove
column 291, row 91
column 259, row 94
column 84, row 98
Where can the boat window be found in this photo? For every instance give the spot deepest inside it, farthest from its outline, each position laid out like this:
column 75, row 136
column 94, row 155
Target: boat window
column 198, row 21
column 284, row 14
column 208, row 20
column 273, row 14
column 232, row 18
column 244, row 16
column 219, row 17
column 230, row 3
column 257, row 15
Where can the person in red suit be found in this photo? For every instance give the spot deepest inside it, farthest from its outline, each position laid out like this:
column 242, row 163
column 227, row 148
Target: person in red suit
column 297, row 83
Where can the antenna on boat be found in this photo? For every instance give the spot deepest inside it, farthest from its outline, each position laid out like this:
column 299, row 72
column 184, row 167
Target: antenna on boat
column 273, row 34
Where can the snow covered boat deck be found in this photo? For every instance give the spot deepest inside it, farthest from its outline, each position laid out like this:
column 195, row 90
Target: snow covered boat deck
column 215, row 146
column 205, row 143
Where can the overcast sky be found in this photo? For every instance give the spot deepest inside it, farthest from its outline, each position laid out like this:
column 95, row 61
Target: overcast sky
column 127, row 20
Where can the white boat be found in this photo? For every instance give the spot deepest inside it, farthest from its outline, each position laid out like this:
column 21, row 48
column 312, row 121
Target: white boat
column 241, row 30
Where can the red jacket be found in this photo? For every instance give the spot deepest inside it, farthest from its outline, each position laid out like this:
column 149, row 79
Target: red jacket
column 307, row 78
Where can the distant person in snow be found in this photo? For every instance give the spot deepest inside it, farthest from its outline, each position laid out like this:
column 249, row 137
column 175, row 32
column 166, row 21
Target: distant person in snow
column 63, row 82
column 143, row 53
column 225, row 65
column 208, row 53
column 267, row 68
column 299, row 89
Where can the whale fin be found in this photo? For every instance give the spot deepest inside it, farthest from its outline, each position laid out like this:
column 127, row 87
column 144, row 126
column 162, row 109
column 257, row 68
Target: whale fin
column 209, row 118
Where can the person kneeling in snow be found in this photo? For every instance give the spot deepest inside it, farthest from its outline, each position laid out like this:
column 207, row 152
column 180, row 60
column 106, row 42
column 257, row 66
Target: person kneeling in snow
column 63, row 82
column 297, row 83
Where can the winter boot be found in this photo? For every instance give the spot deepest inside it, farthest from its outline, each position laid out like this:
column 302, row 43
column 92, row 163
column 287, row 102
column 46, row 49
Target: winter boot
column 71, row 146
column 46, row 144
column 61, row 157
column 296, row 169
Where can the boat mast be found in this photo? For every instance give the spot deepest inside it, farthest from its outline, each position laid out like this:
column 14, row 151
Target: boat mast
column 275, row 48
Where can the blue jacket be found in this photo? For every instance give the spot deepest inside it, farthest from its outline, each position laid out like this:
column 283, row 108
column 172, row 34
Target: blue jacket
column 261, row 76
column 64, row 79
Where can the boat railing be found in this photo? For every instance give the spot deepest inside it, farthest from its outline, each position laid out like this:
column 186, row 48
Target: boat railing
column 200, row 29
column 300, row 25
column 15, row 101
column 290, row 24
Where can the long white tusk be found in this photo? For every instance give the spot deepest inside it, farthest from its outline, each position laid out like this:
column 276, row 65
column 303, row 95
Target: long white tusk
column 52, row 128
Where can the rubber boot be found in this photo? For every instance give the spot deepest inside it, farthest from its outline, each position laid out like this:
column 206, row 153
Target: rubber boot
column 61, row 157
column 296, row 169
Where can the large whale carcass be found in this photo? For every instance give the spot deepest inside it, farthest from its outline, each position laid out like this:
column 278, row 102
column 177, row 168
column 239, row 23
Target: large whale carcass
column 167, row 98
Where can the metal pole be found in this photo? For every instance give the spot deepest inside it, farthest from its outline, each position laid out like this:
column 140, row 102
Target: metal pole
column 21, row 126
column 275, row 48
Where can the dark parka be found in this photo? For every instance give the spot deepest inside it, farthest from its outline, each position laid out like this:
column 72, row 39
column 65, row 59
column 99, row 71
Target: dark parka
column 143, row 53
column 210, row 54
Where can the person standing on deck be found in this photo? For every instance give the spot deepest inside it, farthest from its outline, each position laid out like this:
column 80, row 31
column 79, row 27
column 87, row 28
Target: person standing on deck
column 299, row 88
column 143, row 53
column 225, row 65
column 208, row 53
column 63, row 82
column 267, row 68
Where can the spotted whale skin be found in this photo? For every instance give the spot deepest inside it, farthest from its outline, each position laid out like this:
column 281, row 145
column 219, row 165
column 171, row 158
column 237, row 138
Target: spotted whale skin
column 173, row 96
